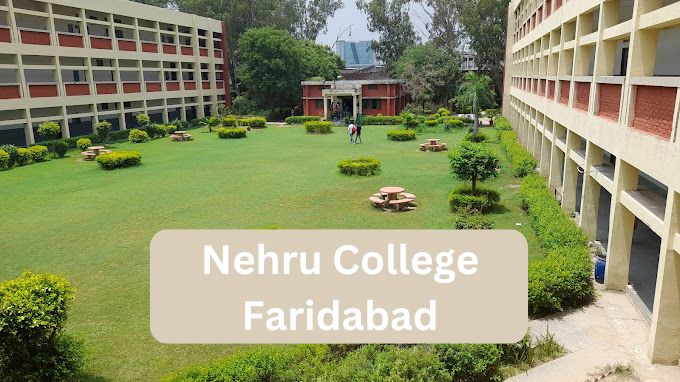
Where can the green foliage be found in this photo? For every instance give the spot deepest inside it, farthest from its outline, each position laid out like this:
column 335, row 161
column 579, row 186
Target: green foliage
column 138, row 136
column 60, row 148
column 383, row 120
column 491, row 113
column 444, row 112
column 155, row 130
column 11, row 150
column 362, row 166
column 453, row 123
column 470, row 362
column 522, row 162
column 4, row 160
column 431, row 122
column 473, row 222
column 300, row 119
column 464, row 200
column 83, row 143
column 33, row 312
column 143, row 120
column 49, row 129
column 476, row 137
column 38, row 153
column 473, row 162
column 233, row 133
column 318, row 127
column 242, row 105
column 392, row 22
column 561, row 280
column 502, row 123
column 254, row 122
column 272, row 363
column 409, row 120
column 119, row 159
column 228, row 121
column 475, row 92
column 319, row 61
column 181, row 125
column 401, row 135
column 166, row 129
column 23, row 156
column 104, row 130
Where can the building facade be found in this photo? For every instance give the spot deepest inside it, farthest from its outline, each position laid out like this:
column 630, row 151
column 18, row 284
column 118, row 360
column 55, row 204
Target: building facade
column 592, row 88
column 79, row 62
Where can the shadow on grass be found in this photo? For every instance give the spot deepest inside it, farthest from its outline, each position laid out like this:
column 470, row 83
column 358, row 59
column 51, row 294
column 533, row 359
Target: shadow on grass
column 94, row 378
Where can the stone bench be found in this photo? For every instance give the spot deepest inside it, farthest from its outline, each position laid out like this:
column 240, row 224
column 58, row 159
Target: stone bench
column 407, row 195
column 89, row 155
column 376, row 201
column 401, row 203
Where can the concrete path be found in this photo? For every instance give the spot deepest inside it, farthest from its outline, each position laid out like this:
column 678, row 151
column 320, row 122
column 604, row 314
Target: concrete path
column 608, row 332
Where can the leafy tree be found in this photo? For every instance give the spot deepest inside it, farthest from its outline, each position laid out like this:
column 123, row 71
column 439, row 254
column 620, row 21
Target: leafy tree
column 103, row 130
column 473, row 162
column 320, row 61
column 485, row 21
column 430, row 73
column 391, row 20
column 444, row 27
column 476, row 92
column 50, row 130
column 313, row 16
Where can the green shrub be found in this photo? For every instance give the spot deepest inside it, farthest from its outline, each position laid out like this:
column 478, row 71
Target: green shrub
column 491, row 113
column 11, row 150
column 255, row 122
column 300, row 119
column 33, row 312
column 60, row 148
column 502, row 123
column 476, row 137
column 261, row 364
column 4, row 160
column 561, row 280
column 49, row 129
column 409, row 120
column 225, row 133
column 431, row 122
column 453, row 123
column 318, row 127
column 462, row 199
column 401, row 135
column 229, row 121
column 119, row 159
column 83, row 143
column 473, row 222
column 103, row 130
column 138, row 136
column 24, row 155
column 361, row 166
column 444, row 112
column 181, row 125
column 143, row 120
column 470, row 362
column 521, row 161
column 38, row 153
column 166, row 129
column 383, row 120
column 155, row 130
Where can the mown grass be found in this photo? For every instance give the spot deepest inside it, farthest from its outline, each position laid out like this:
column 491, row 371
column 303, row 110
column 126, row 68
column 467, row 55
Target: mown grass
column 70, row 217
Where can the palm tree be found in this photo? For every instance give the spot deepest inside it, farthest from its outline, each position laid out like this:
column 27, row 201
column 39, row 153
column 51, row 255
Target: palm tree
column 475, row 91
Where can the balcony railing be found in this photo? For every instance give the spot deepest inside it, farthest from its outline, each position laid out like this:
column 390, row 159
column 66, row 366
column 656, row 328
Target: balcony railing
column 77, row 89
column 98, row 42
column 35, row 36
column 127, row 45
column 10, row 91
column 107, row 88
column 5, row 34
column 132, row 87
column 43, row 90
column 71, row 40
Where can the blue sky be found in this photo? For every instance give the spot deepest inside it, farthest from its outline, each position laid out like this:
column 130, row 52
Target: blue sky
column 351, row 16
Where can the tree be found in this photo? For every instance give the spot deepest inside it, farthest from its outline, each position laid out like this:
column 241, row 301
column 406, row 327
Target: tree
column 320, row 61
column 485, row 21
column 51, row 130
column 313, row 16
column 391, row 20
column 444, row 27
column 103, row 130
column 475, row 92
column 473, row 162
column 430, row 73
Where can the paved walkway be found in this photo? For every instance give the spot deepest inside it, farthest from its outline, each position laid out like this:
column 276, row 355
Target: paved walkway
column 609, row 332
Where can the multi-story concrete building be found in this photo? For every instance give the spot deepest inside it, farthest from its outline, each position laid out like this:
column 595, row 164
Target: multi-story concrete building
column 592, row 87
column 79, row 62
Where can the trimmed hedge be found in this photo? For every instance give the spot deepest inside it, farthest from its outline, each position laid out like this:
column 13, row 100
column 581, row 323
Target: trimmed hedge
column 462, row 200
column 119, row 159
column 431, row 122
column 23, row 156
column 38, row 153
column 476, row 137
column 383, row 120
column 4, row 160
column 300, row 119
column 60, row 148
column 361, row 166
column 562, row 279
column 234, row 133
column 138, row 136
column 401, row 135
column 473, row 222
column 522, row 162
column 318, row 127
column 229, row 121
column 83, row 143
column 502, row 123
column 254, row 122
column 453, row 123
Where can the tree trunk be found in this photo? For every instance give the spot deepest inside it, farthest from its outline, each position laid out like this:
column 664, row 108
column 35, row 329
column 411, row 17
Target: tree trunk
column 474, row 110
column 474, row 185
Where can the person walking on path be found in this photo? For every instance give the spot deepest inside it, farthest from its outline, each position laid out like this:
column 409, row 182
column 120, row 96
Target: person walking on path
column 351, row 130
column 357, row 138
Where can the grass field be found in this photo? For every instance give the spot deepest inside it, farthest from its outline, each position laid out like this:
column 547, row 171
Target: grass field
column 69, row 217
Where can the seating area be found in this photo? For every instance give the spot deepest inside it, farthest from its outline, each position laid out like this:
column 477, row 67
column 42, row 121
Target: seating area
column 93, row 152
column 393, row 199
column 433, row 145
column 181, row 136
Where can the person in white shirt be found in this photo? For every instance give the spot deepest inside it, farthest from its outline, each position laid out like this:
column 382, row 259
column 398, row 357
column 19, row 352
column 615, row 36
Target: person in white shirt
column 351, row 130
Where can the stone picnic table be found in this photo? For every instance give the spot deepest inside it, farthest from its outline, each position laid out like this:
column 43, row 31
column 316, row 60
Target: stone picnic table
column 181, row 135
column 93, row 152
column 388, row 199
column 433, row 144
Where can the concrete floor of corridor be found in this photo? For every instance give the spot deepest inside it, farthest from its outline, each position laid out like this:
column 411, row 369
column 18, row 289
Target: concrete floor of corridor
column 609, row 332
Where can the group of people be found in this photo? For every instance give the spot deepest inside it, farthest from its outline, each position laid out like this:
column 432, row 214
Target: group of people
column 354, row 131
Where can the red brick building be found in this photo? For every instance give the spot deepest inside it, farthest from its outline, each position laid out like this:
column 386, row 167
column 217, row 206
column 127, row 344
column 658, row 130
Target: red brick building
column 367, row 92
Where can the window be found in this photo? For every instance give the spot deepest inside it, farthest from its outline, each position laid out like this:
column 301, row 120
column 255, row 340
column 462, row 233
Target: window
column 127, row 104
column 119, row 33
column 371, row 104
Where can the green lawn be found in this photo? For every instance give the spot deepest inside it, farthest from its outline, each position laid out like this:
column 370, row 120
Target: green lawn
column 94, row 227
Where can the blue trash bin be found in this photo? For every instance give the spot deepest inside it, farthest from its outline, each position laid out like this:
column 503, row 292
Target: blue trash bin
column 600, row 266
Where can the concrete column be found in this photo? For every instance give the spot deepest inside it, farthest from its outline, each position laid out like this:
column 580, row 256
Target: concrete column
column 546, row 150
column 325, row 107
column 570, row 176
column 556, row 167
column 538, row 134
column 664, row 339
column 354, row 107
column 621, row 226
column 590, row 197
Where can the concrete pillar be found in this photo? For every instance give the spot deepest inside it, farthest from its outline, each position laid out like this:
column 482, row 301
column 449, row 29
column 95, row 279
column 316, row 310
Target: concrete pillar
column 590, row 197
column 570, row 175
column 664, row 339
column 621, row 226
column 546, row 150
column 556, row 167
column 354, row 106
column 325, row 108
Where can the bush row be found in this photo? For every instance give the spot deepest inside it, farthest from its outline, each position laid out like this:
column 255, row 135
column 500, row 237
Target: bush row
column 401, row 135
column 225, row 133
column 383, row 120
column 318, row 127
column 11, row 155
column 562, row 279
column 361, row 166
column 522, row 162
column 119, row 159
column 300, row 119
column 463, row 200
